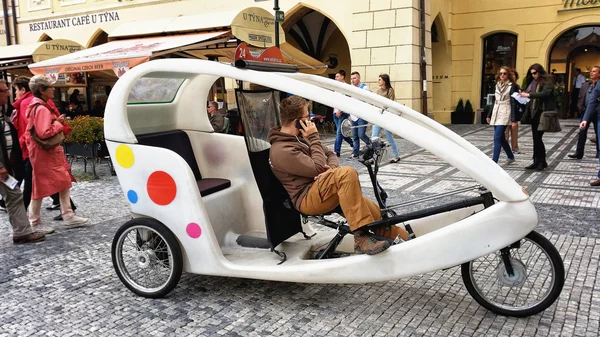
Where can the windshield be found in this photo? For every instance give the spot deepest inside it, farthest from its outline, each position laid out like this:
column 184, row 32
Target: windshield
column 154, row 90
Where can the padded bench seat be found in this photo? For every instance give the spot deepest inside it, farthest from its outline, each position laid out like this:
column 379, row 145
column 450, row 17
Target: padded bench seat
column 179, row 142
column 211, row 185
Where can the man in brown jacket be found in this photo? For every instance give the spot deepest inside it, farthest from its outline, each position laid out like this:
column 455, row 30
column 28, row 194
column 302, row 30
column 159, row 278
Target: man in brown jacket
column 311, row 174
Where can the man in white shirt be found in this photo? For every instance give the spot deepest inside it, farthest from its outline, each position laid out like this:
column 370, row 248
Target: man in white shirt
column 359, row 129
column 577, row 83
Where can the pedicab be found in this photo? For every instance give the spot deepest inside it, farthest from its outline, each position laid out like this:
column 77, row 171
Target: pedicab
column 207, row 203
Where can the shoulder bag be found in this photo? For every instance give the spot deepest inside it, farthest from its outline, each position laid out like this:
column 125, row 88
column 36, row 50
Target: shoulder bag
column 549, row 122
column 48, row 143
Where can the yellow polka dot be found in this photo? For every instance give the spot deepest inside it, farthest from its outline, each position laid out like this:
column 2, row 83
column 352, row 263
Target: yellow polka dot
column 124, row 156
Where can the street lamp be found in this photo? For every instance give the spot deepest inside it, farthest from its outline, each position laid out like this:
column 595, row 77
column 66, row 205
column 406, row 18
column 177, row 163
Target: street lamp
column 278, row 17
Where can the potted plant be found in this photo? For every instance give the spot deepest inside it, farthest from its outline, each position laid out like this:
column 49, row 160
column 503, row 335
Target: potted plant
column 86, row 139
column 469, row 113
column 457, row 115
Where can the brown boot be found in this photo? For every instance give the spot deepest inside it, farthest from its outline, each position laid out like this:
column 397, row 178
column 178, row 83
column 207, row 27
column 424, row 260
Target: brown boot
column 366, row 243
column 29, row 238
column 392, row 233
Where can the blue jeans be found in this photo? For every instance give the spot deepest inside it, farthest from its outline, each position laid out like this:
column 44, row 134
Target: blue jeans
column 359, row 133
column 390, row 138
column 337, row 146
column 500, row 142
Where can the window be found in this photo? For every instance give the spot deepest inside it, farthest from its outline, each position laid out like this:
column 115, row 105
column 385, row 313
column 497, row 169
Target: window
column 154, row 90
column 498, row 50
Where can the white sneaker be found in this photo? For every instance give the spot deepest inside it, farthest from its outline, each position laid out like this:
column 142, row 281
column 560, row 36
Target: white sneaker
column 42, row 229
column 75, row 221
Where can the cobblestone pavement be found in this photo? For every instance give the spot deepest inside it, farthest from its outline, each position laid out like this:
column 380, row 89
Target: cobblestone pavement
column 66, row 286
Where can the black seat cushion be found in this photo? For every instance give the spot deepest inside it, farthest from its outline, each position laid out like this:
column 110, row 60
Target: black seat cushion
column 176, row 141
column 211, row 185
column 179, row 142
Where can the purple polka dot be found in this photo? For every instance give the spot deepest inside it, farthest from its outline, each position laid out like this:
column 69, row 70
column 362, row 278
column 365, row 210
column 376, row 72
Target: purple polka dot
column 193, row 230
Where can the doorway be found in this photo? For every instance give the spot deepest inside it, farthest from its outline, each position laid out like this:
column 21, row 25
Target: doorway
column 578, row 48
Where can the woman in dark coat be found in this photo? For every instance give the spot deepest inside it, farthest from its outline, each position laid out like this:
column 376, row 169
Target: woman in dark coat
column 540, row 91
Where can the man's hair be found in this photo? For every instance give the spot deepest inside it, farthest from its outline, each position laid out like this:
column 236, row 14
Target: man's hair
column 22, row 82
column 597, row 67
column 214, row 104
column 355, row 73
column 292, row 108
column 342, row 72
column 577, row 70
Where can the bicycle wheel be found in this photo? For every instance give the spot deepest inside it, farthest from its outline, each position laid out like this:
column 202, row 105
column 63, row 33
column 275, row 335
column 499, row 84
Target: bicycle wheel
column 147, row 257
column 537, row 281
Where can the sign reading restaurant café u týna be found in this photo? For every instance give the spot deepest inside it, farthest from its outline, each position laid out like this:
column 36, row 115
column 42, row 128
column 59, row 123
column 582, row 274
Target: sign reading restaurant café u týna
column 80, row 20
column 570, row 5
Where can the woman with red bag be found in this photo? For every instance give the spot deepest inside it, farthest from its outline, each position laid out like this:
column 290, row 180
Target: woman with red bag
column 51, row 171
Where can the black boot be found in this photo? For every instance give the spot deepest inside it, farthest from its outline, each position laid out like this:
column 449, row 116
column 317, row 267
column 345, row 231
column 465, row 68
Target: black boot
column 541, row 166
column 532, row 166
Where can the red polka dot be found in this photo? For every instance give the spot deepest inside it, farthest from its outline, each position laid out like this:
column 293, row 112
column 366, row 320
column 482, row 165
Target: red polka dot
column 161, row 188
column 193, row 230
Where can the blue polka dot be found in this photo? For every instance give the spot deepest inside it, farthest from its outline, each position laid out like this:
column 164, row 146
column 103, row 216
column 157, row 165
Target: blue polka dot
column 132, row 196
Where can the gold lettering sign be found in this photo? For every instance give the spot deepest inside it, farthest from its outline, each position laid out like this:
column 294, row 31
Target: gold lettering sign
column 572, row 5
column 256, row 26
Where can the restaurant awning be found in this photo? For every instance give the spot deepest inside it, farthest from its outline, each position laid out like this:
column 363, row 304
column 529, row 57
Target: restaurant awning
column 121, row 55
column 20, row 55
column 253, row 25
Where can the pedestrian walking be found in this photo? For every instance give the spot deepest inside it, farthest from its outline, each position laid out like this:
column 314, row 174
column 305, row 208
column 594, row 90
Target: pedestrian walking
column 539, row 89
column 10, row 161
column 51, row 172
column 583, row 101
column 338, row 117
column 512, row 132
column 359, row 125
column 386, row 90
column 592, row 110
column 502, row 112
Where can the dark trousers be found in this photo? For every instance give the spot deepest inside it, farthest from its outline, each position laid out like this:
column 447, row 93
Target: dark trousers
column 539, row 150
column 56, row 201
column 583, row 136
column 574, row 97
column 28, row 180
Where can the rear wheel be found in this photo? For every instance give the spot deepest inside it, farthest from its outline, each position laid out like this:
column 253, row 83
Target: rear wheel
column 537, row 278
column 147, row 257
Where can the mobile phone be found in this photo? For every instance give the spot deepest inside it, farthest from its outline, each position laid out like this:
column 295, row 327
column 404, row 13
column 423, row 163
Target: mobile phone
column 299, row 125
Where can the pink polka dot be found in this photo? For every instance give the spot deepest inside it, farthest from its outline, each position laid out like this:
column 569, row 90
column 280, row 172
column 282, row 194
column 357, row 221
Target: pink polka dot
column 193, row 230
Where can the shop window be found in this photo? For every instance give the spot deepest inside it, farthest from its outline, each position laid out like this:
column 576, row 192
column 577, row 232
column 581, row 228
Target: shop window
column 498, row 50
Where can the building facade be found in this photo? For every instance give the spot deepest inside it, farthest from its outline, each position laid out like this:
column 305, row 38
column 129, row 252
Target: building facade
column 466, row 41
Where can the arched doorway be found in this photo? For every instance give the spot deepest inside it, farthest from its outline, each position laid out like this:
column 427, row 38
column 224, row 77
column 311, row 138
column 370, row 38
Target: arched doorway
column 578, row 48
column 99, row 37
column 319, row 37
column 441, row 72
column 499, row 50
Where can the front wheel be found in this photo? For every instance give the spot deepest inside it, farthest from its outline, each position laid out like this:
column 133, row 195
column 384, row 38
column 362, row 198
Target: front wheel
column 536, row 282
column 147, row 257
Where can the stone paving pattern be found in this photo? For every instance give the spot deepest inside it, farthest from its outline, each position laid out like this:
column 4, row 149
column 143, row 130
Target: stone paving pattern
column 66, row 285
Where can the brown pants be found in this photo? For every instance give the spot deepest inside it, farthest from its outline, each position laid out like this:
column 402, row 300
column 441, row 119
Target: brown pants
column 513, row 132
column 340, row 186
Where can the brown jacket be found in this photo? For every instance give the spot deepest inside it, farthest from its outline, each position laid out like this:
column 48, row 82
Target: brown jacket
column 296, row 161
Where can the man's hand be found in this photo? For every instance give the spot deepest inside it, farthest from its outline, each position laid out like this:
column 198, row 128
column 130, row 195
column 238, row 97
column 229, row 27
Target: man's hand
column 320, row 174
column 3, row 174
column 308, row 128
column 488, row 120
column 583, row 125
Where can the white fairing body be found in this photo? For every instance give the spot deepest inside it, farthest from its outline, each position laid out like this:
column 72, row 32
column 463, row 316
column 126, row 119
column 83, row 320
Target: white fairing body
column 442, row 241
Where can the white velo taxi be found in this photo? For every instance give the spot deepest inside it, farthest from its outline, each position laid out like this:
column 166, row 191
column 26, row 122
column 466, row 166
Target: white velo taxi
column 207, row 203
